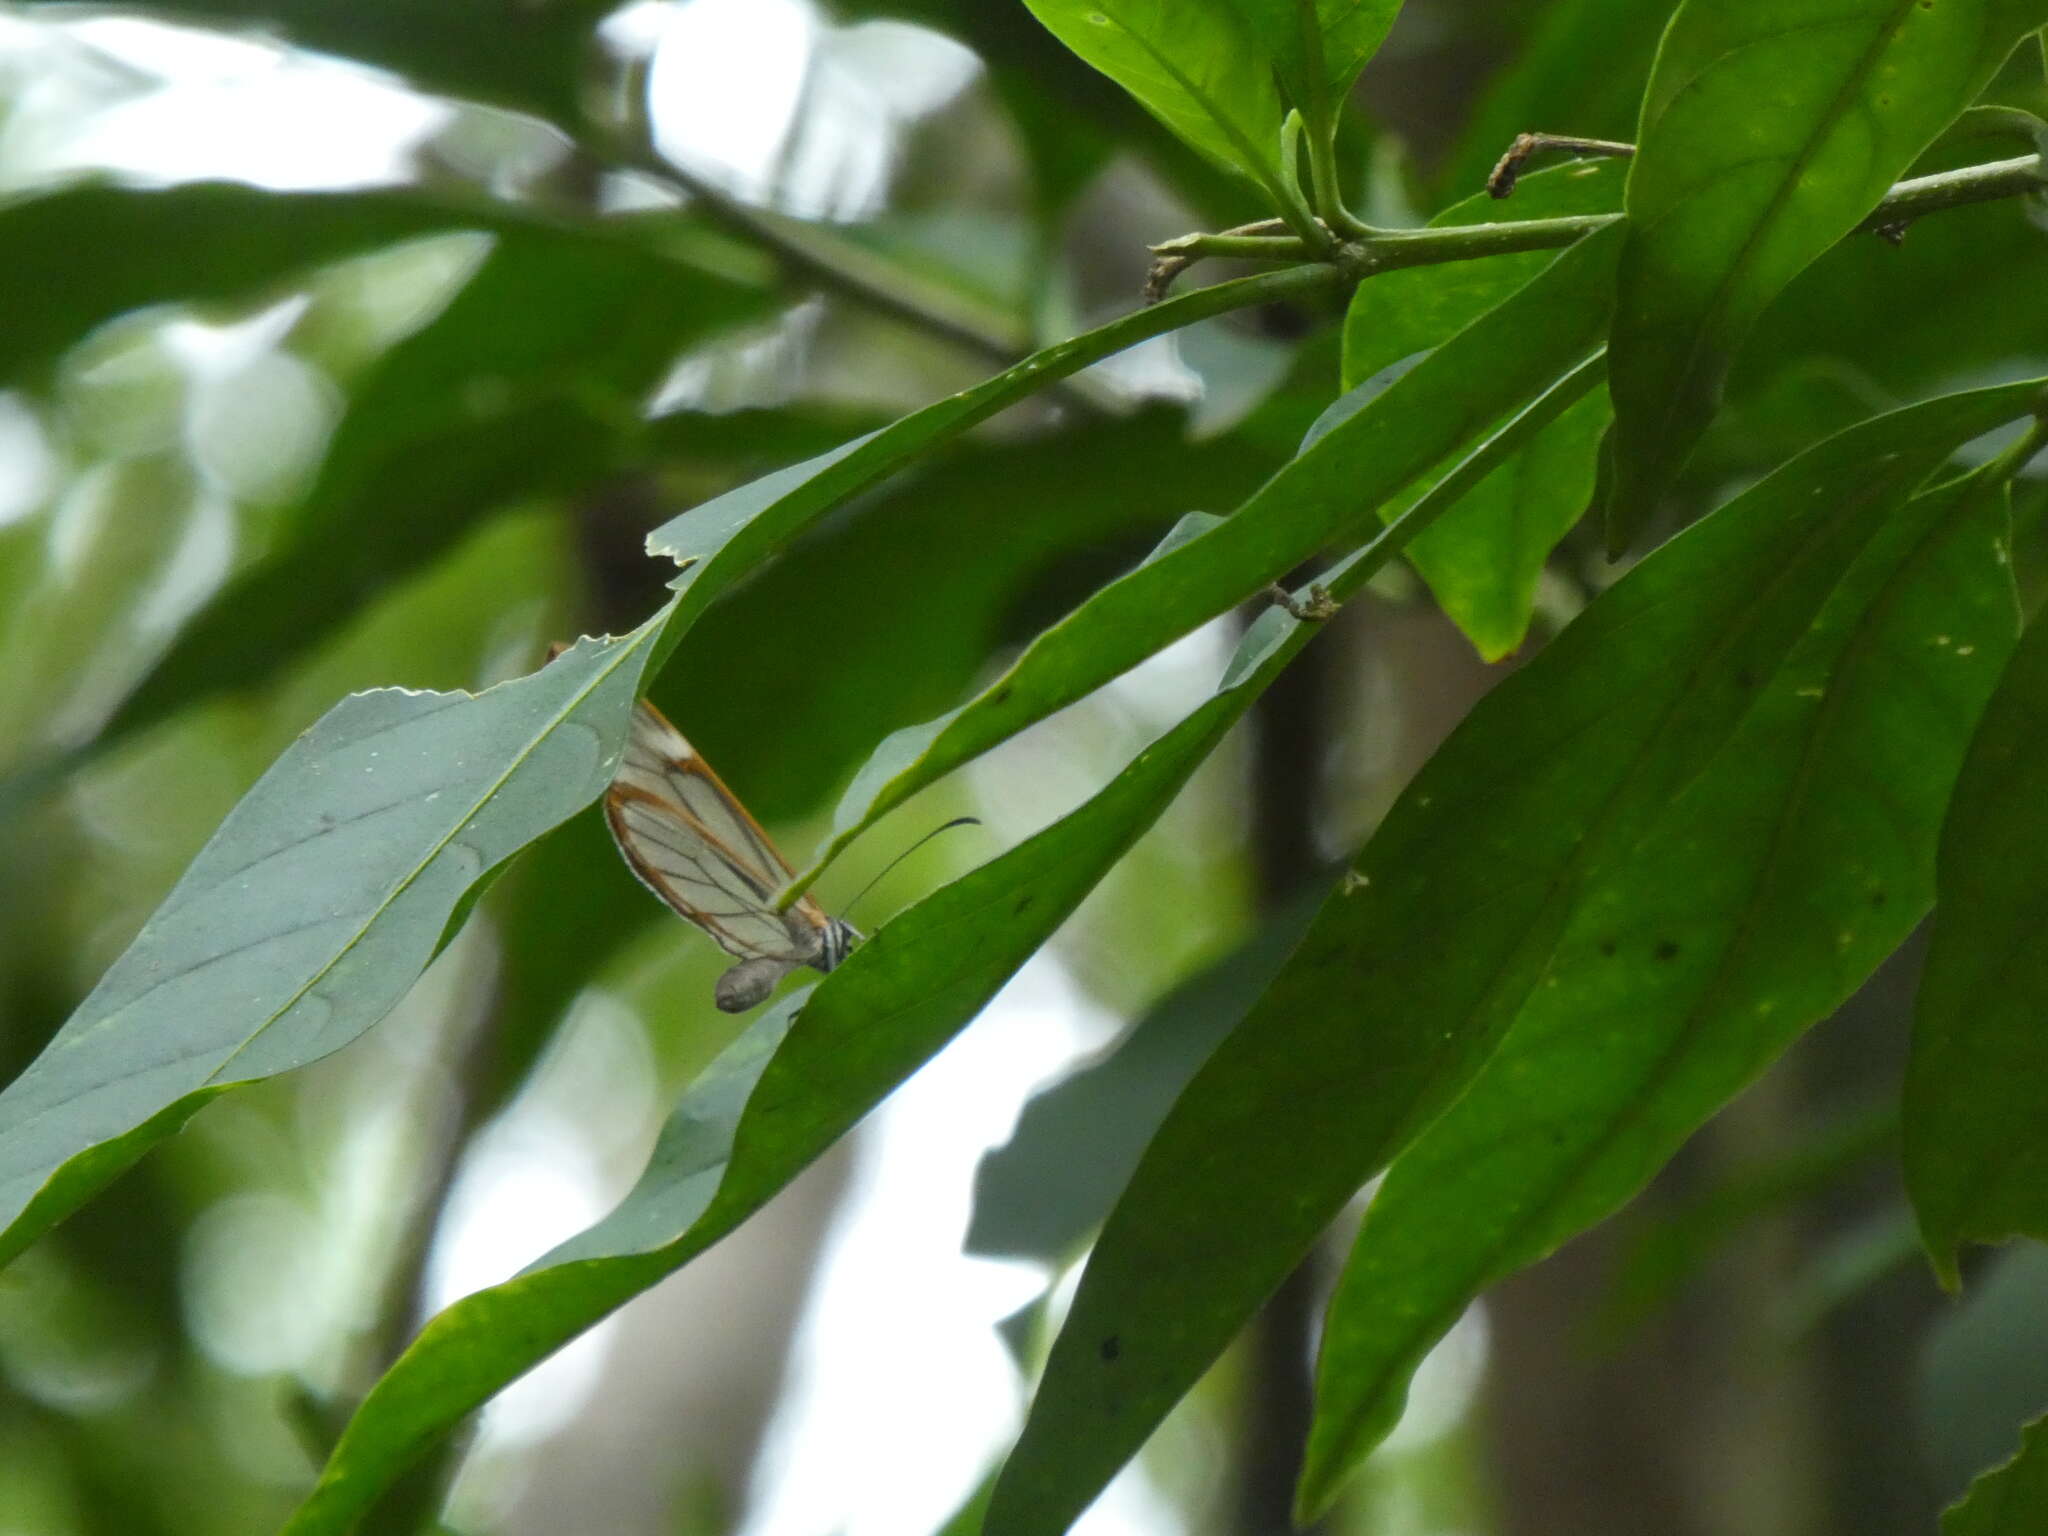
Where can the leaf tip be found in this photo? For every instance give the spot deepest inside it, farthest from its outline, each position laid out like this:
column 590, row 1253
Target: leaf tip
column 1316, row 1491
column 1942, row 1254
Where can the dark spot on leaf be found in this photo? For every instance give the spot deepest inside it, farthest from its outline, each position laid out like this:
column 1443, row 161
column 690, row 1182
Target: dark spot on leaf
column 1000, row 694
column 1112, row 1347
column 1023, row 905
column 1667, row 950
column 1745, row 678
column 1607, row 946
column 1877, row 898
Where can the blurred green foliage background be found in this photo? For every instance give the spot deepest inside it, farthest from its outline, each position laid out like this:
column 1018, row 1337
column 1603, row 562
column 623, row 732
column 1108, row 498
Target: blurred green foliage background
column 351, row 345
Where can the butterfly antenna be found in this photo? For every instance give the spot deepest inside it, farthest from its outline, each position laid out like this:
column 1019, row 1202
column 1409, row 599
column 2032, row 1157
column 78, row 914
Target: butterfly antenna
column 957, row 821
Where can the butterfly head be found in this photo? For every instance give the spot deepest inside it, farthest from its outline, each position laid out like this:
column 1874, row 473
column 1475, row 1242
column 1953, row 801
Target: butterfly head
column 839, row 938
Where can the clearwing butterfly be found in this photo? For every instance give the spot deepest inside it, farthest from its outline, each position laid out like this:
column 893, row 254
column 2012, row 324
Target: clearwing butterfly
column 693, row 844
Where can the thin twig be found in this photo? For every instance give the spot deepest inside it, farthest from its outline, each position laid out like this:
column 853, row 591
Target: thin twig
column 833, row 264
column 1266, row 240
column 836, row 265
column 1528, row 145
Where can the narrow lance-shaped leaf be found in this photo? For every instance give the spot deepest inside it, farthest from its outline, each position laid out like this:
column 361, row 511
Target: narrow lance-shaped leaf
column 1382, row 1017
column 1068, row 505
column 872, row 1022
column 1769, row 130
column 724, row 538
column 1750, row 901
column 754, row 1122
column 1326, row 497
column 309, row 913
column 1975, row 1128
column 86, row 1110
column 2007, row 1500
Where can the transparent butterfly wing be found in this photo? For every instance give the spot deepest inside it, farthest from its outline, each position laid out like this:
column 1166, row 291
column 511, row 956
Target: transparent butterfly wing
column 694, row 845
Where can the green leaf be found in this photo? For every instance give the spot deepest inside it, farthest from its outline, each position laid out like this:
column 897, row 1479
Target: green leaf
column 1203, row 70
column 1769, row 131
column 309, row 913
column 2007, row 1500
column 1331, row 1074
column 730, row 534
column 1897, row 317
column 1222, row 75
column 1484, row 559
column 1976, row 1141
column 894, row 1002
column 1075, row 505
column 1325, row 498
column 891, row 1006
column 534, row 58
column 528, row 385
column 1704, row 925
column 1352, row 33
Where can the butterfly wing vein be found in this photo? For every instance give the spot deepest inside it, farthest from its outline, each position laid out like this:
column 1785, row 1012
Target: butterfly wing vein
column 694, row 845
